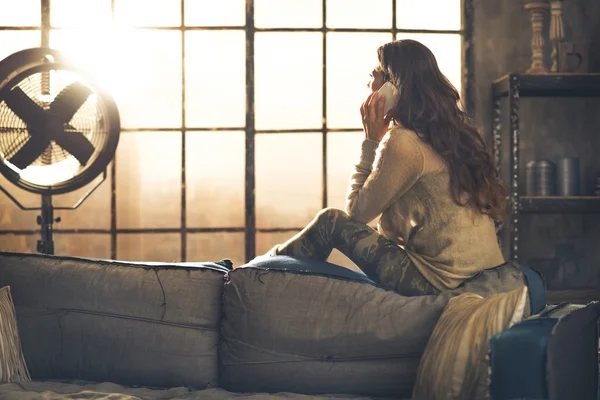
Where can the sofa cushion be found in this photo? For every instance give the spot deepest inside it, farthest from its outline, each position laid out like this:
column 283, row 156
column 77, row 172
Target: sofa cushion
column 131, row 323
column 295, row 328
column 37, row 390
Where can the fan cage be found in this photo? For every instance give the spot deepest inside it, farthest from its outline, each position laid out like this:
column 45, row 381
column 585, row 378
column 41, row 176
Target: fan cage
column 55, row 170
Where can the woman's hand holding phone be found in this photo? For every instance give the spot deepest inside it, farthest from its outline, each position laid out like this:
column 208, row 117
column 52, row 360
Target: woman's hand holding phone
column 374, row 117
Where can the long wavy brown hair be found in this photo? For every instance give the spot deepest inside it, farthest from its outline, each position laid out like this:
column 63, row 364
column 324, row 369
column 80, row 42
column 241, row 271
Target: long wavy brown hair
column 430, row 105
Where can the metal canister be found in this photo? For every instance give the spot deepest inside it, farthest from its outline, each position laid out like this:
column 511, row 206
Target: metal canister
column 568, row 177
column 530, row 176
column 545, row 178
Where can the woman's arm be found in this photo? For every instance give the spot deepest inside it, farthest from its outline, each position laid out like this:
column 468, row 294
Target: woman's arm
column 385, row 171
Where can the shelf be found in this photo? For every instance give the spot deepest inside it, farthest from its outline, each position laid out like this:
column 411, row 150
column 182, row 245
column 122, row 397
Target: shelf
column 576, row 296
column 550, row 85
column 557, row 204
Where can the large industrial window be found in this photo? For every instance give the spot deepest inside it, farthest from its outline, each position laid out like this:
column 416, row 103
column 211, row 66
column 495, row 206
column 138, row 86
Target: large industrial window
column 240, row 117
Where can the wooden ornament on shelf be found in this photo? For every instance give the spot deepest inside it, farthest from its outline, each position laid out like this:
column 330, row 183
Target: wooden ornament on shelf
column 537, row 10
column 557, row 32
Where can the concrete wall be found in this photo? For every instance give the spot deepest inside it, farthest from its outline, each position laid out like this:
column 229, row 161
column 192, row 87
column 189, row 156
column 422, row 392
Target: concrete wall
column 565, row 247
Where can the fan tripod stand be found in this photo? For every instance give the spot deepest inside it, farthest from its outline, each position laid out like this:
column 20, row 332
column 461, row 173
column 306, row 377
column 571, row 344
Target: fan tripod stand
column 46, row 220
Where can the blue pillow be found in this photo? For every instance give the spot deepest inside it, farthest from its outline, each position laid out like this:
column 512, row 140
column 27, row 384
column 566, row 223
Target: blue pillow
column 537, row 289
column 308, row 267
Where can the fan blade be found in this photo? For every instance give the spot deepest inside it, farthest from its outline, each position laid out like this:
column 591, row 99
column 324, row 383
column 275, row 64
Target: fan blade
column 69, row 100
column 27, row 154
column 24, row 107
column 75, row 143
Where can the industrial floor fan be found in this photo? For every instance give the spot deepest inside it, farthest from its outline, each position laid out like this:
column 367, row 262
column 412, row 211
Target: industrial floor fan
column 58, row 131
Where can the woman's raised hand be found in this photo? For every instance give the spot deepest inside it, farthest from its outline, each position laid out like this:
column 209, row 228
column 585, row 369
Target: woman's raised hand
column 375, row 121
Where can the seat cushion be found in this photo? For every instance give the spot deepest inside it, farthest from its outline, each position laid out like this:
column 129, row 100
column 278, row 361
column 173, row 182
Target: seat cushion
column 37, row 390
column 131, row 323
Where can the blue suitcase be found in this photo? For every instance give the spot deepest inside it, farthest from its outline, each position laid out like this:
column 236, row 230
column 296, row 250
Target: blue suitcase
column 551, row 355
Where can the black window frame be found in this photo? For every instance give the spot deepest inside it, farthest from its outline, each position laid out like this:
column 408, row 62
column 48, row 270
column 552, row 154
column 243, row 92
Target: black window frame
column 250, row 230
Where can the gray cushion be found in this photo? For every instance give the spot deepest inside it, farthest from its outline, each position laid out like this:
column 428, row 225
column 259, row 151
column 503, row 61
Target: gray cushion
column 296, row 331
column 140, row 324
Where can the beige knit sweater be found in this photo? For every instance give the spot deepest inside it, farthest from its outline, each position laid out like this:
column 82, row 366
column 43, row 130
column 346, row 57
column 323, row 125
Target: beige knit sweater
column 405, row 182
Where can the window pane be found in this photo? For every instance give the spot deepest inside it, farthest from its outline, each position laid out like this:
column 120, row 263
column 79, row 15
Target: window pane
column 82, row 245
column 13, row 41
column 82, row 47
column 289, row 80
column 142, row 69
column 266, row 240
column 359, row 14
column 80, row 14
column 215, row 165
column 149, row 180
column 148, row 75
column 216, row 246
column 148, row 12
column 338, row 258
column 350, row 59
column 20, row 13
column 162, row 247
column 11, row 216
column 288, row 14
column 343, row 150
column 288, row 179
column 93, row 213
column 446, row 48
column 215, row 93
column 412, row 14
column 19, row 243
column 215, row 13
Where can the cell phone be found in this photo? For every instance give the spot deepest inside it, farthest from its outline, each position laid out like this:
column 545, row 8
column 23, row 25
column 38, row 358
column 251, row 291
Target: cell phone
column 389, row 91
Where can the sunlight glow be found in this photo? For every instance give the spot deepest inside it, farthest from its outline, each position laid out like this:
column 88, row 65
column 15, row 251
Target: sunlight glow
column 215, row 78
column 360, row 14
column 288, row 13
column 429, row 14
column 142, row 69
column 350, row 59
column 288, row 80
column 88, row 14
column 148, row 12
column 20, row 13
column 97, row 52
column 42, row 175
column 215, row 13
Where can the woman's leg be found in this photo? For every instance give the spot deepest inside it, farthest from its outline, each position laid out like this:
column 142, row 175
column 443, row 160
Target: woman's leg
column 378, row 257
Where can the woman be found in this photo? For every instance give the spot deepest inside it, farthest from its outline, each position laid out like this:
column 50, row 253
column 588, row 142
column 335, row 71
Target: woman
column 426, row 172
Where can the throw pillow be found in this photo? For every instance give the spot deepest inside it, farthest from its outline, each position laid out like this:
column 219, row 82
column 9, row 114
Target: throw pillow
column 455, row 362
column 12, row 363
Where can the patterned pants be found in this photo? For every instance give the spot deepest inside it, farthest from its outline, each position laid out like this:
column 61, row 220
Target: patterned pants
column 379, row 258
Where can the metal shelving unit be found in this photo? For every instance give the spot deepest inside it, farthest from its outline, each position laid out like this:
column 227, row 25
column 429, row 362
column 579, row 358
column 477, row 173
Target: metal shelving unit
column 515, row 86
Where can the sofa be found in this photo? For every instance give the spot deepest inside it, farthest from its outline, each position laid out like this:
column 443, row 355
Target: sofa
column 275, row 328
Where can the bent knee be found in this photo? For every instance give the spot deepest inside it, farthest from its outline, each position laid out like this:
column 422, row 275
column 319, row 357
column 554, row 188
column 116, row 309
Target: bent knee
column 331, row 213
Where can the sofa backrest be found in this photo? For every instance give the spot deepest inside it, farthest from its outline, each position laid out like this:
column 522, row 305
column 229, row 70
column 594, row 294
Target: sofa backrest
column 130, row 323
